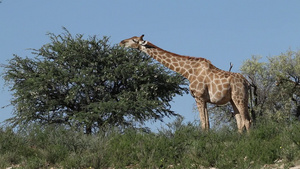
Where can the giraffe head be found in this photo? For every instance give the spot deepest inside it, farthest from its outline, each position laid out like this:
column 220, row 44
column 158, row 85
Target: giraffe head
column 134, row 42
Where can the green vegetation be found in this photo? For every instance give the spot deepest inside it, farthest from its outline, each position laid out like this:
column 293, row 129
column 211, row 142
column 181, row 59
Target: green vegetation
column 276, row 83
column 179, row 145
column 78, row 102
column 88, row 83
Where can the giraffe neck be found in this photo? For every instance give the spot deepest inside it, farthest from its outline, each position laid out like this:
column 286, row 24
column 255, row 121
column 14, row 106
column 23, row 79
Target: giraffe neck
column 184, row 65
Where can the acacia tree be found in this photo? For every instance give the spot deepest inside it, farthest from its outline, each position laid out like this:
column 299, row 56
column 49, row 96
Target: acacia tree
column 262, row 81
column 277, row 85
column 89, row 83
column 286, row 68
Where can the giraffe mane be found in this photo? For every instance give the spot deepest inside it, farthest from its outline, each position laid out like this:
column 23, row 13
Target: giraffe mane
column 151, row 45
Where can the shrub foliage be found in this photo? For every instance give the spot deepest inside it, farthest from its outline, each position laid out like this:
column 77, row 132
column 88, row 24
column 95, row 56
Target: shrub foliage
column 89, row 83
column 185, row 147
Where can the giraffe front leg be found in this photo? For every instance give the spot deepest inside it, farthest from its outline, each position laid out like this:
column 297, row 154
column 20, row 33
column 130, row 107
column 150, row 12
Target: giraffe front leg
column 201, row 105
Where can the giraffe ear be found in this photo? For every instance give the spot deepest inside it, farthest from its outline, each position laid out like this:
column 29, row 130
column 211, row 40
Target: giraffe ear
column 144, row 43
column 141, row 37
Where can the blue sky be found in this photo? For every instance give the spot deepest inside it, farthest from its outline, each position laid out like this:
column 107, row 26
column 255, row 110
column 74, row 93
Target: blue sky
column 221, row 31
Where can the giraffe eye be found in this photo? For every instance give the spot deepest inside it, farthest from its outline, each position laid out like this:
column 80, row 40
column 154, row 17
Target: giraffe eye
column 135, row 41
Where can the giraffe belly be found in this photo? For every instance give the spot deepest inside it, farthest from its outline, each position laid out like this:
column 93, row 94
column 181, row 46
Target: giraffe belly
column 219, row 98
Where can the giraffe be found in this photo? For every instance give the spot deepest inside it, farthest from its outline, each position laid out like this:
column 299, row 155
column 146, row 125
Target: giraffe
column 208, row 84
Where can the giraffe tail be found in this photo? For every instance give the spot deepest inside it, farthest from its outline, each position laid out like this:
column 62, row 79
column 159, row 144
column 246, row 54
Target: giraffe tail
column 253, row 101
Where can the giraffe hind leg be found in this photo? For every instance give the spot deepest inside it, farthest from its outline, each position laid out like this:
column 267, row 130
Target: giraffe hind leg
column 242, row 110
column 238, row 118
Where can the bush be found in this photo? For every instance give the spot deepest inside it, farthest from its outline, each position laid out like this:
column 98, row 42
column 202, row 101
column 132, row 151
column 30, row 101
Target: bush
column 179, row 146
column 89, row 83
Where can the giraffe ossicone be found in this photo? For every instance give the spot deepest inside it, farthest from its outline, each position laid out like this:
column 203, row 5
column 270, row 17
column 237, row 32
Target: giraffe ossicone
column 208, row 84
